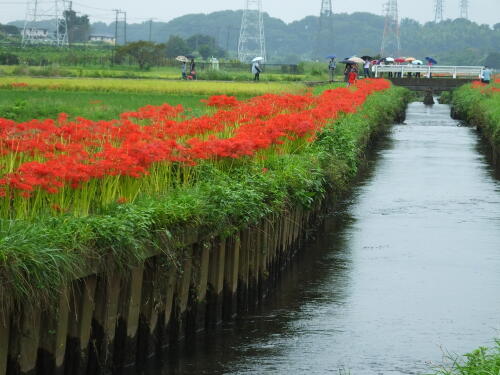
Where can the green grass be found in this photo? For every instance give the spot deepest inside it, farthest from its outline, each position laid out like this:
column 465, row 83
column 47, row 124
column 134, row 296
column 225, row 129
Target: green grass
column 24, row 105
column 482, row 361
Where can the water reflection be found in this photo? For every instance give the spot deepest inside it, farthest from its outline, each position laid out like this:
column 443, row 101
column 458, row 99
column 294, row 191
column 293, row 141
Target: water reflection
column 405, row 269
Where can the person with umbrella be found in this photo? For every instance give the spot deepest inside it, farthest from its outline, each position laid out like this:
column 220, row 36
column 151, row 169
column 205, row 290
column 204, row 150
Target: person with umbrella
column 367, row 66
column 256, row 69
column 183, row 60
column 332, row 65
column 348, row 66
column 430, row 62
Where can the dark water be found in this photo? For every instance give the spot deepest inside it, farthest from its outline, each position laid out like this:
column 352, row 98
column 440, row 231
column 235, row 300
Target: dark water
column 407, row 271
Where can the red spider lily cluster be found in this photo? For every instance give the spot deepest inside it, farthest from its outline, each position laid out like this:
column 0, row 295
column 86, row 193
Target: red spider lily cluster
column 485, row 88
column 19, row 84
column 79, row 165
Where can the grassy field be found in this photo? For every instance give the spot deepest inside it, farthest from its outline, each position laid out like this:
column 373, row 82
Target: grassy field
column 148, row 86
column 24, row 105
column 103, row 99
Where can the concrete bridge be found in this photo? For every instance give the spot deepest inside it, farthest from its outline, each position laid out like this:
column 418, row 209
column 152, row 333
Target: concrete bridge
column 430, row 84
column 428, row 78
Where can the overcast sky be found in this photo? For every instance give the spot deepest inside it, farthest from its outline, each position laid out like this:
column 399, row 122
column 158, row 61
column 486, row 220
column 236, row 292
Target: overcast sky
column 482, row 11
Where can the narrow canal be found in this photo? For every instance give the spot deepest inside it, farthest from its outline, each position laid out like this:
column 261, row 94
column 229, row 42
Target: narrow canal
column 405, row 273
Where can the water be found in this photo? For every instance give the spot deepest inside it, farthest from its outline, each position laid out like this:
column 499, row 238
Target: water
column 405, row 272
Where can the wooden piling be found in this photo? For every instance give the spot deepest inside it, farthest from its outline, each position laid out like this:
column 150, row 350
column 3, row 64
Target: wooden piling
column 125, row 347
column 4, row 343
column 81, row 304
column 230, row 287
column 181, row 297
column 243, row 272
column 215, row 282
column 104, row 324
column 29, row 339
column 53, row 338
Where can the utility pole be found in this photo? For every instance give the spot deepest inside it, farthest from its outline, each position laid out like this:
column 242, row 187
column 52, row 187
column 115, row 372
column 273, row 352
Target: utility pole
column 324, row 38
column 150, row 29
column 252, row 41
column 390, row 40
column 464, row 9
column 438, row 10
column 124, row 27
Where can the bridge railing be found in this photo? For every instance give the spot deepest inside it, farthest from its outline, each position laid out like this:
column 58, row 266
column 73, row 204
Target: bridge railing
column 429, row 71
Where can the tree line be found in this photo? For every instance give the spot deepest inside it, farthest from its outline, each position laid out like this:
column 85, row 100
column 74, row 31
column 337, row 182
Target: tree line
column 454, row 42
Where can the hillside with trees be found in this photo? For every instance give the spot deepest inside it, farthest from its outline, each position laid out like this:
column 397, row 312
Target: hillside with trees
column 456, row 42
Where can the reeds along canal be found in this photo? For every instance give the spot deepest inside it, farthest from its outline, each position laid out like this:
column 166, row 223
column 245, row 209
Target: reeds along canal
column 404, row 274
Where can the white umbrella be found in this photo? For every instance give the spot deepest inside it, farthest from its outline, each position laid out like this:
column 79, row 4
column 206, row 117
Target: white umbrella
column 417, row 62
column 357, row 60
column 258, row 59
column 389, row 59
column 182, row 58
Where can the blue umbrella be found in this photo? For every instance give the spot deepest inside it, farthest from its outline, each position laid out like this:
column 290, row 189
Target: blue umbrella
column 431, row 60
column 331, row 56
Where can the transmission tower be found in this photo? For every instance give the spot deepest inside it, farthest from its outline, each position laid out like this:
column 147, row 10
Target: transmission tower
column 324, row 39
column 252, row 41
column 390, row 40
column 50, row 13
column 438, row 10
column 464, row 9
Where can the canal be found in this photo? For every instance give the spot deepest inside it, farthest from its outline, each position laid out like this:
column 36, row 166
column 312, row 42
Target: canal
column 406, row 271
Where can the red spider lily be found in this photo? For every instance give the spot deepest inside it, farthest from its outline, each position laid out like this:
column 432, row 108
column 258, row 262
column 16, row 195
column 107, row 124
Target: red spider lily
column 60, row 159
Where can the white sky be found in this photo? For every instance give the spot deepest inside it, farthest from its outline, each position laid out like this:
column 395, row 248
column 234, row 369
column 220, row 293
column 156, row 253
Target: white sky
column 481, row 11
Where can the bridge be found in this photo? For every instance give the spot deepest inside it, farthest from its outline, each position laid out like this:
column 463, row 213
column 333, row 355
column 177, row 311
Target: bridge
column 435, row 78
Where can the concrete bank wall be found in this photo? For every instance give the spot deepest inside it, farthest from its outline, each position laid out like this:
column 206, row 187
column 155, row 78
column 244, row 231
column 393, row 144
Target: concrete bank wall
column 105, row 323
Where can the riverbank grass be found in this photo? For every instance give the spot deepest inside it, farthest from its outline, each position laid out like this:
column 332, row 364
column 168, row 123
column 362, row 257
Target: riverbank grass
column 482, row 361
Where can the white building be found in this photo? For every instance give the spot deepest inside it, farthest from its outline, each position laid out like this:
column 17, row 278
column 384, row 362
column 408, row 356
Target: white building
column 108, row 39
column 35, row 33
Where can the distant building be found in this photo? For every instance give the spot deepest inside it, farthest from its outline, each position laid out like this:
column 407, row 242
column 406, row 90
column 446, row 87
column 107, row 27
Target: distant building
column 35, row 33
column 108, row 39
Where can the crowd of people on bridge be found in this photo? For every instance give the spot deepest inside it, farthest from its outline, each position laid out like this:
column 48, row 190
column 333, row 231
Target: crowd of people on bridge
column 351, row 70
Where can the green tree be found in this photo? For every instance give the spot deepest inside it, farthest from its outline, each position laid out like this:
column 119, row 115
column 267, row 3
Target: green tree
column 176, row 46
column 78, row 27
column 144, row 53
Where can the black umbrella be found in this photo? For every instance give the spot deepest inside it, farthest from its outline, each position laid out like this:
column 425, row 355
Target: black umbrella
column 190, row 56
column 366, row 58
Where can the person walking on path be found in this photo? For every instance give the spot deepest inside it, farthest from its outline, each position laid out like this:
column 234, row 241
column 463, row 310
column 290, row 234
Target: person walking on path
column 332, row 65
column 256, row 70
column 184, row 70
column 347, row 70
column 352, row 76
column 486, row 77
column 366, row 68
column 192, row 69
